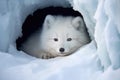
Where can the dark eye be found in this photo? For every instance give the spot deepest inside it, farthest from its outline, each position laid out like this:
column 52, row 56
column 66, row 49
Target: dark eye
column 69, row 39
column 55, row 39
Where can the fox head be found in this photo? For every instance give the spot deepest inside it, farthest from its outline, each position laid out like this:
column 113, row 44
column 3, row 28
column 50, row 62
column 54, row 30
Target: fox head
column 63, row 35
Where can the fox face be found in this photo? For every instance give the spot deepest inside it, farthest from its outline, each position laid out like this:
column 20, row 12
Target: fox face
column 63, row 36
column 62, row 44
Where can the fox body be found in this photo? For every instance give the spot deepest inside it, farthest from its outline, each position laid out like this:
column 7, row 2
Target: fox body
column 60, row 36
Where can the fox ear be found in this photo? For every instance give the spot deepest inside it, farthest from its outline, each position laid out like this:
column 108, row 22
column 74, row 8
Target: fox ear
column 77, row 23
column 48, row 21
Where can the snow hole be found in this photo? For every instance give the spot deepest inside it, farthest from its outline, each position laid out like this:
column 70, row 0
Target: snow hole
column 102, row 54
column 34, row 21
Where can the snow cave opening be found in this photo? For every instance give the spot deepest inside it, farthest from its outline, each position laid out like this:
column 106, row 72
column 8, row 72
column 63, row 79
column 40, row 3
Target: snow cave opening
column 102, row 54
column 34, row 21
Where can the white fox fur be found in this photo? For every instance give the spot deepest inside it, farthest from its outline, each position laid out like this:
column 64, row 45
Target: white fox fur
column 60, row 36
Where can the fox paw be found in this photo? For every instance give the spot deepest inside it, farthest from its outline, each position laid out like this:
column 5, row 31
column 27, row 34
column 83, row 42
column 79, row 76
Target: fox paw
column 47, row 56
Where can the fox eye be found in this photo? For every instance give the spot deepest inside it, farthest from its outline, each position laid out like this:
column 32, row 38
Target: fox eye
column 69, row 39
column 55, row 39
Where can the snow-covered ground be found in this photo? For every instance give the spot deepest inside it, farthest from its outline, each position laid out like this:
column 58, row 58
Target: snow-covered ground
column 99, row 60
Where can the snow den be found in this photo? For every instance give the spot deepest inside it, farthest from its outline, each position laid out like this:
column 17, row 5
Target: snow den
column 96, row 61
column 33, row 26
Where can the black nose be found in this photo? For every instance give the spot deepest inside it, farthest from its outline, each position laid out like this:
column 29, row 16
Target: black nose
column 61, row 49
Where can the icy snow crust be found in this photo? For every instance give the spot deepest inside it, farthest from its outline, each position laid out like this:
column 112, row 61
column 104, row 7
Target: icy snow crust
column 98, row 60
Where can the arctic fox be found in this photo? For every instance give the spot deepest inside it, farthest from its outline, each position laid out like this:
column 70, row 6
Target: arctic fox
column 60, row 36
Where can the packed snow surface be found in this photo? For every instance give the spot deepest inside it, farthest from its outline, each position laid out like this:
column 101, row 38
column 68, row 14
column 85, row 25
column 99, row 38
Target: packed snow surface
column 99, row 60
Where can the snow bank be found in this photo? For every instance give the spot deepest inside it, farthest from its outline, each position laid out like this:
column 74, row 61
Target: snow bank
column 102, row 54
column 22, row 66
column 106, row 33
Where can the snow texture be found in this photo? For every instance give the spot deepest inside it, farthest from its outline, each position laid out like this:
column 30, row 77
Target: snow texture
column 99, row 60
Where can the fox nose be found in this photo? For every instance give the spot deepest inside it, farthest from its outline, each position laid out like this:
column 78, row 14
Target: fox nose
column 61, row 50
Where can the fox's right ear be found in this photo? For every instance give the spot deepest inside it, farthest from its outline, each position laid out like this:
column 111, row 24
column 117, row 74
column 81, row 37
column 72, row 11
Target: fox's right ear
column 78, row 23
column 49, row 20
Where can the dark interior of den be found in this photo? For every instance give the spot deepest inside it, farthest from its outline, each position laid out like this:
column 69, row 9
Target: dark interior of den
column 34, row 21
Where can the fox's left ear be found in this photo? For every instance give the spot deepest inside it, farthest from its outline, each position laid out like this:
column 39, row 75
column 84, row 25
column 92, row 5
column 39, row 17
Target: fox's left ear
column 49, row 20
column 78, row 23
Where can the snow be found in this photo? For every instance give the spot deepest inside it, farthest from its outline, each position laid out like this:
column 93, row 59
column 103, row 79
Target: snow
column 112, row 34
column 26, row 67
column 99, row 60
column 99, row 35
column 107, row 34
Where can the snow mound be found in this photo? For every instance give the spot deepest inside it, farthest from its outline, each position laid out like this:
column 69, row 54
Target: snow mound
column 99, row 60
